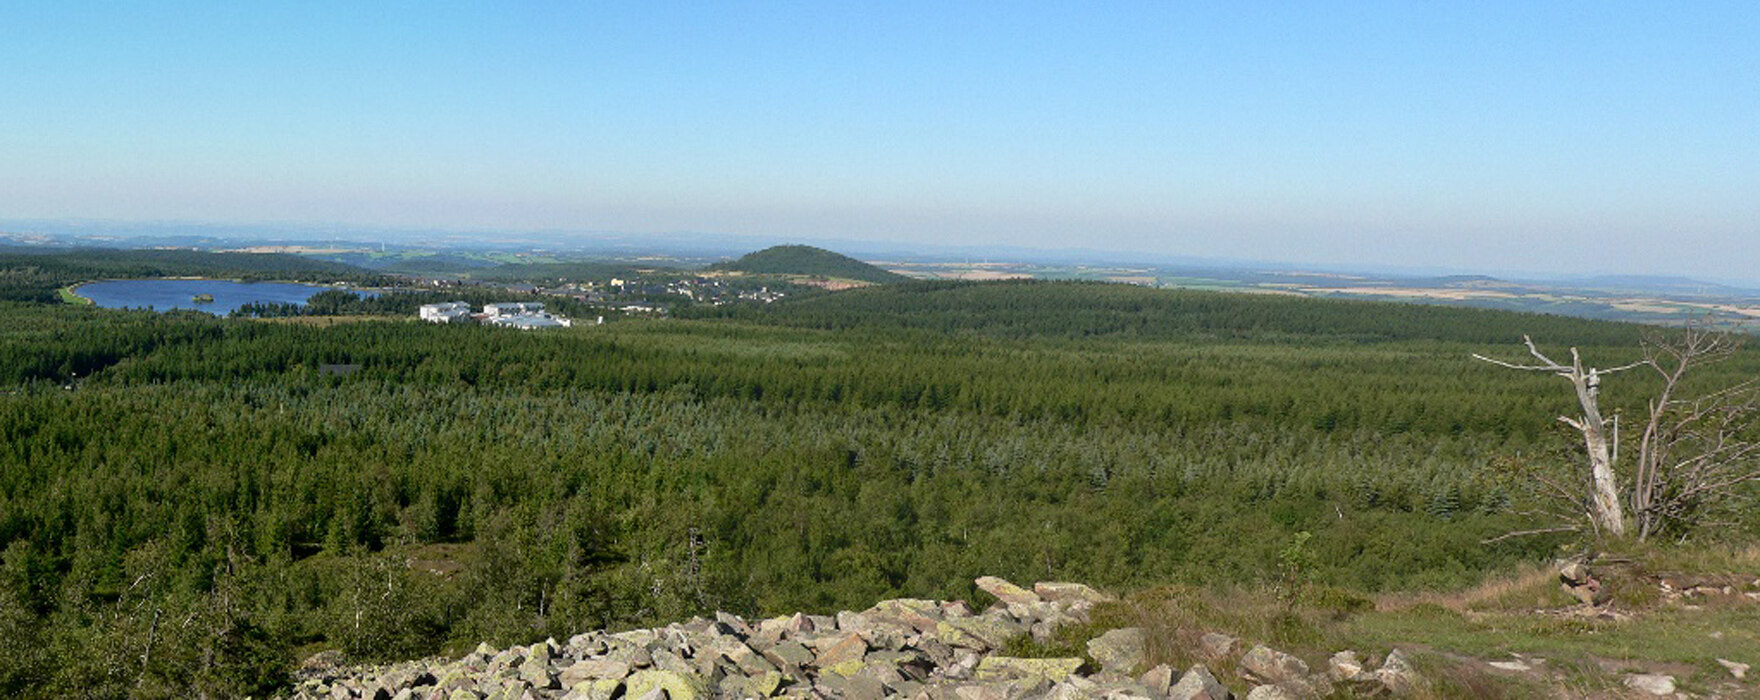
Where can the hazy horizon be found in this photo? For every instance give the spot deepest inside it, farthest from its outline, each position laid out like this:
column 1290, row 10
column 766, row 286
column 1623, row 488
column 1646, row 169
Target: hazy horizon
column 1570, row 139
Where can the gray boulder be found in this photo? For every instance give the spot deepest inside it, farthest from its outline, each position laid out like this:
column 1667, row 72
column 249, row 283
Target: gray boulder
column 1120, row 650
column 1198, row 684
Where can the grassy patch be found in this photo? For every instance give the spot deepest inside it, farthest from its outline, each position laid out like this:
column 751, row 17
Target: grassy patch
column 68, row 296
column 1452, row 635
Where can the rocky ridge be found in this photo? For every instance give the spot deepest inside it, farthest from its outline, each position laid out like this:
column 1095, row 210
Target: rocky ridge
column 898, row 648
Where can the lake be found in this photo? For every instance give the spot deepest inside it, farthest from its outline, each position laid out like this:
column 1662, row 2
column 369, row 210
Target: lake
column 163, row 294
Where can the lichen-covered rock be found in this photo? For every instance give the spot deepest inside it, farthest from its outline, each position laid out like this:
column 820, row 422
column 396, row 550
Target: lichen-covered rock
column 1120, row 650
column 1065, row 592
column 1010, row 667
column 677, row 686
column 981, row 632
column 1005, row 591
column 596, row 689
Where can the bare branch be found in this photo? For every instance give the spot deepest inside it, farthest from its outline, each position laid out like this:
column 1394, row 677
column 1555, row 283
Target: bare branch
column 1529, row 368
column 1526, row 533
column 1622, row 368
column 1535, row 351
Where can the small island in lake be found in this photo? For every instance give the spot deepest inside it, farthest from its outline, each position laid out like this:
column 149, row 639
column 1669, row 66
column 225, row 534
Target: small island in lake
column 202, row 299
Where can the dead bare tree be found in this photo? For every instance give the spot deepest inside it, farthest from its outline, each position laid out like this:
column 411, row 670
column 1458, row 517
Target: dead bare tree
column 1695, row 453
column 1605, row 513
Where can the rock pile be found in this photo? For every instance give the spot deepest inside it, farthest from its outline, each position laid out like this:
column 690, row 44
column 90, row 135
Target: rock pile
column 898, row 648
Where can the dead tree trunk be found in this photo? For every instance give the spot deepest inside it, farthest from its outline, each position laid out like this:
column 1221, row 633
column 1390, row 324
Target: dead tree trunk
column 1605, row 512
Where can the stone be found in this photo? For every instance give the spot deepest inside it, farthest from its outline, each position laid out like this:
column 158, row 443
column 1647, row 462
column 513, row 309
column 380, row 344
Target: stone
column 1062, row 592
column 863, row 688
column 1517, row 666
column 1739, row 670
column 1120, row 650
column 852, row 622
column 1158, row 679
column 1029, row 613
column 670, row 661
column 851, row 648
column 1010, row 667
column 1269, row 666
column 1652, row 683
column 1005, row 591
column 980, row 692
column 1344, row 666
column 736, row 624
column 1216, row 646
column 1198, row 684
column 1274, row 692
column 964, row 668
column 596, row 689
column 677, row 686
column 789, row 655
column 537, row 672
column 750, row 662
column 764, row 684
column 640, row 638
column 587, row 644
column 1397, row 673
column 921, row 615
column 980, row 632
column 633, row 656
column 511, row 658
column 591, row 669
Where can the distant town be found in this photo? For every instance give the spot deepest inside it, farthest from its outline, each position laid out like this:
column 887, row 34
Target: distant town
column 522, row 315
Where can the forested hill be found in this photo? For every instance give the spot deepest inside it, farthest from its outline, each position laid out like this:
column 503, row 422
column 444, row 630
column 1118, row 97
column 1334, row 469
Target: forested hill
column 1071, row 309
column 34, row 276
column 808, row 260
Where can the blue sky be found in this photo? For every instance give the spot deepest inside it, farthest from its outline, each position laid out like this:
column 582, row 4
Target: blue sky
column 1566, row 137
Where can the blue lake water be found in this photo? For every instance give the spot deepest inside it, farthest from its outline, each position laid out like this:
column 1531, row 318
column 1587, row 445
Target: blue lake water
column 163, row 295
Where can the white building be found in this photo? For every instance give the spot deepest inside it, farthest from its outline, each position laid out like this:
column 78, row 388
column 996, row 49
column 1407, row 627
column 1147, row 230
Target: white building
column 449, row 312
column 510, row 308
column 527, row 322
column 523, row 315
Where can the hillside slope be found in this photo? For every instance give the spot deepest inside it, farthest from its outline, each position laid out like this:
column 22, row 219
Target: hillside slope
column 808, row 260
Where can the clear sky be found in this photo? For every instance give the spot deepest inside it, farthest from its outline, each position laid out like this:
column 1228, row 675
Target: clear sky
column 1571, row 137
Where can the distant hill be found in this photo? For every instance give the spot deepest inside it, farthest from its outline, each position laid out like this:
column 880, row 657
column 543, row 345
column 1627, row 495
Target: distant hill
column 1659, row 283
column 807, row 260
